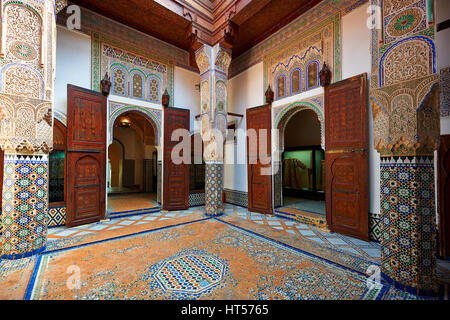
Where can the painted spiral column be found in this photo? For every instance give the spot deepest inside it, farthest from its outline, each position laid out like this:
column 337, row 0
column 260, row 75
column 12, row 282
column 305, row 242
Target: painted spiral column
column 213, row 63
column 404, row 96
column 28, row 42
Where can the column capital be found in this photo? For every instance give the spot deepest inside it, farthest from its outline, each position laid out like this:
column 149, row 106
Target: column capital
column 210, row 59
column 406, row 117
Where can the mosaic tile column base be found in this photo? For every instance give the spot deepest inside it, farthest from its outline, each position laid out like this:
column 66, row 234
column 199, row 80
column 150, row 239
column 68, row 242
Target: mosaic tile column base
column 24, row 206
column 214, row 189
column 408, row 226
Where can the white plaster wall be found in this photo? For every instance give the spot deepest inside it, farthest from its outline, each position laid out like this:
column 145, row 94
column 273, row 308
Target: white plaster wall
column 443, row 37
column 356, row 59
column 73, row 64
column 298, row 97
column 246, row 90
column 186, row 94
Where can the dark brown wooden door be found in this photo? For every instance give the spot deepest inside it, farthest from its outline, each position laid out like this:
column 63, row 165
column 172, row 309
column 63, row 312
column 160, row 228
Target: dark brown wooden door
column 176, row 176
column 444, row 197
column 347, row 191
column 259, row 182
column 86, row 156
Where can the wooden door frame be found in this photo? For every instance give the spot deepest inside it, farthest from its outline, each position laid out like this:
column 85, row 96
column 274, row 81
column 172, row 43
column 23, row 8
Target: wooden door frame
column 281, row 124
column 443, row 233
column 58, row 125
column 107, row 159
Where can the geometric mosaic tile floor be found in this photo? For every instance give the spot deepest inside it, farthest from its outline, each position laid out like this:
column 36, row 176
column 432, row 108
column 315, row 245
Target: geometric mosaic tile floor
column 305, row 205
column 208, row 259
column 113, row 224
column 185, row 255
column 369, row 250
column 131, row 202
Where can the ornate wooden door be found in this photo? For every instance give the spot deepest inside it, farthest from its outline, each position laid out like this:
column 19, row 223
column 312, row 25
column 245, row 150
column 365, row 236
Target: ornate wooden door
column 346, row 157
column 176, row 176
column 259, row 182
column 444, row 196
column 86, row 156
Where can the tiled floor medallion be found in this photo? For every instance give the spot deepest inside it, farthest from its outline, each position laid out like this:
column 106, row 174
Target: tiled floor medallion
column 189, row 274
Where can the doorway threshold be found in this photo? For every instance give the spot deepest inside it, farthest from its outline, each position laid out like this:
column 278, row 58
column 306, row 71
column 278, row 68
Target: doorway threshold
column 302, row 216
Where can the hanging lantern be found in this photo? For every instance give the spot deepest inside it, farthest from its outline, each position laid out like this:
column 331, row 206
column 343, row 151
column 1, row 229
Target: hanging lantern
column 325, row 76
column 105, row 85
column 269, row 95
column 165, row 99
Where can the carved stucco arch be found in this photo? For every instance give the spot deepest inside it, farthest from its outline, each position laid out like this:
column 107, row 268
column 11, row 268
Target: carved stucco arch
column 289, row 111
column 148, row 115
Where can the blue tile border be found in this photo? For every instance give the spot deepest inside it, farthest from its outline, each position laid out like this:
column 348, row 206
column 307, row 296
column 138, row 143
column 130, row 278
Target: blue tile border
column 122, row 236
column 386, row 283
column 131, row 211
column 299, row 250
column 134, row 214
column 31, row 282
column 23, row 255
column 409, row 289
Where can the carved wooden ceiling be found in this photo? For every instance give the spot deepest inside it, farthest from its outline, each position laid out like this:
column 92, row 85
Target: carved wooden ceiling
column 187, row 24
column 146, row 16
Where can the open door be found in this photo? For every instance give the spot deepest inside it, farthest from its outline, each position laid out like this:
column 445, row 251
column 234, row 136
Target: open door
column 176, row 176
column 86, row 156
column 444, row 197
column 347, row 193
column 259, row 185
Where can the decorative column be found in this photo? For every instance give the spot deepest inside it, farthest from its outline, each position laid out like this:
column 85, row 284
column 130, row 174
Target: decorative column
column 26, row 129
column 405, row 105
column 213, row 63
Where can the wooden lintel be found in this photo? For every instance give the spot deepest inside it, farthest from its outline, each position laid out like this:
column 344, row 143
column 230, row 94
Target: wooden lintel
column 229, row 114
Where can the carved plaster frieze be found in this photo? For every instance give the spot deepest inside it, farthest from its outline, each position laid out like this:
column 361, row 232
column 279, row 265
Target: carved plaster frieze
column 406, row 117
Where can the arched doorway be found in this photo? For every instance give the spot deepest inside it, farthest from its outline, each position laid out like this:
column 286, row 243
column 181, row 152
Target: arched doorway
column 301, row 180
column 132, row 165
column 116, row 156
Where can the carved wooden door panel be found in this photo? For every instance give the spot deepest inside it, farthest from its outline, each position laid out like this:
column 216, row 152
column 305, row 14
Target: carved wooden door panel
column 176, row 176
column 346, row 159
column 259, row 172
column 86, row 156
column 444, row 196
